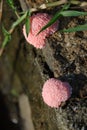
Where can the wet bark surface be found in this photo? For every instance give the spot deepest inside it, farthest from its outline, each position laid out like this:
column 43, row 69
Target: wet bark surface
column 25, row 69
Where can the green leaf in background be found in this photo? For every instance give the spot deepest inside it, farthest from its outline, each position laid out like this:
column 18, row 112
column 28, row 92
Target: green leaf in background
column 14, row 92
column 66, row 6
column 7, row 37
column 55, row 18
column 19, row 20
column 11, row 4
column 5, row 32
column 6, row 40
column 71, row 13
column 27, row 23
column 63, row 12
column 77, row 28
column 8, row 34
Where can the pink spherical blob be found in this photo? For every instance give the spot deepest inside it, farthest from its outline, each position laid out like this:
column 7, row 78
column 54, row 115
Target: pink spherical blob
column 36, row 23
column 55, row 92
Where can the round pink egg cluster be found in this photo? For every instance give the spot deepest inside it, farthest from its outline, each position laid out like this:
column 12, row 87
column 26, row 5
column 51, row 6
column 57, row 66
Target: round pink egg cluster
column 55, row 92
column 36, row 23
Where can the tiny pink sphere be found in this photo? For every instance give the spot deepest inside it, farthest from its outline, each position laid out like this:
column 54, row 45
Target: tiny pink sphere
column 36, row 23
column 55, row 92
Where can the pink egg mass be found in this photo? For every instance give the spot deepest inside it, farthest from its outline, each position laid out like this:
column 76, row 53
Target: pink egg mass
column 55, row 92
column 36, row 23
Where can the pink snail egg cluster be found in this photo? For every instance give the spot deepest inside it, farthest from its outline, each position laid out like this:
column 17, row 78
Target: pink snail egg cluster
column 36, row 23
column 55, row 92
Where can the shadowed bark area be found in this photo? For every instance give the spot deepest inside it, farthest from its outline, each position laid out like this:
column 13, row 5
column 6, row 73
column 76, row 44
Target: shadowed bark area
column 5, row 121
